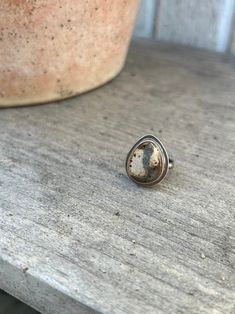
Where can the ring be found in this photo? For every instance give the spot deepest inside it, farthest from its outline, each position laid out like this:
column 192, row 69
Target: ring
column 147, row 162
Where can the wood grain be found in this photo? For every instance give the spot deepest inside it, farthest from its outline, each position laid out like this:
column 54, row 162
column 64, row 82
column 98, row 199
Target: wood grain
column 76, row 236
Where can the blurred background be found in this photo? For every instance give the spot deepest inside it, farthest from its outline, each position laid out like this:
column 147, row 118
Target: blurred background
column 201, row 24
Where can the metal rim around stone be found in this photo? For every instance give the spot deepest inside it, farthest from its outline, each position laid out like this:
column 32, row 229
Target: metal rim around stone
column 165, row 159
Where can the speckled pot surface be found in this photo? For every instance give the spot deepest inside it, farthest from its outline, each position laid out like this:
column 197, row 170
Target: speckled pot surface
column 54, row 49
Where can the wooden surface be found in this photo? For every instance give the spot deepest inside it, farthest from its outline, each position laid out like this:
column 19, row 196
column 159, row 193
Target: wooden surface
column 76, row 236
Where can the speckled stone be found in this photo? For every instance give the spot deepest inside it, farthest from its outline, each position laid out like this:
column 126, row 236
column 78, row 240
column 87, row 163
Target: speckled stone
column 147, row 161
column 55, row 49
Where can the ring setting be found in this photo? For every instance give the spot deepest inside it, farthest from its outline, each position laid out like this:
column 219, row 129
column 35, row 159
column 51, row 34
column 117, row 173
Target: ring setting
column 147, row 162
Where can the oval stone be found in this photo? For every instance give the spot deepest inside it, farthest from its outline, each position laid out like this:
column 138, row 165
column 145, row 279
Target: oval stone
column 147, row 161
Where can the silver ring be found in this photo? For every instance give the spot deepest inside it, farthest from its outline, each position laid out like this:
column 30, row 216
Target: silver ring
column 147, row 162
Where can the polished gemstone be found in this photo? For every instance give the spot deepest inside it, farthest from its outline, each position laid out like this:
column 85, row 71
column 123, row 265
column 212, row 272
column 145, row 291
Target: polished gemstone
column 147, row 161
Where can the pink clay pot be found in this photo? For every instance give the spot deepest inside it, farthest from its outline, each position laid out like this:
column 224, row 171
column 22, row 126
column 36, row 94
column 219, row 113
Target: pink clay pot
column 54, row 49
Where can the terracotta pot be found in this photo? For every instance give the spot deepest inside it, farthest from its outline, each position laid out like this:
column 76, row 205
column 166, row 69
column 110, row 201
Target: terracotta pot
column 54, row 49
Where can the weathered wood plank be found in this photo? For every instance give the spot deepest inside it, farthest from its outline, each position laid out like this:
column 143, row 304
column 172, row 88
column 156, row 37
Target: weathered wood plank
column 69, row 214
